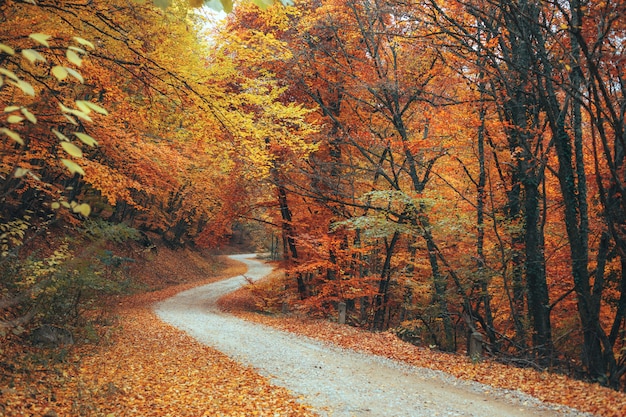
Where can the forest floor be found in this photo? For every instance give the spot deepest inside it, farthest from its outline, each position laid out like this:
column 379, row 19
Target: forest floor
column 549, row 387
column 338, row 382
column 142, row 366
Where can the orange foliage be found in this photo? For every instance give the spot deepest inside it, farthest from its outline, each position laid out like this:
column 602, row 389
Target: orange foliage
column 146, row 367
column 549, row 387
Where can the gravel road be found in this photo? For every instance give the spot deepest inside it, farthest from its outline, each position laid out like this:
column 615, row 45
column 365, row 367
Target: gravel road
column 337, row 382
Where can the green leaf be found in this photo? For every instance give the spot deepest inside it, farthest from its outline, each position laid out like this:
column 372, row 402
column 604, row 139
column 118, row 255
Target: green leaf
column 72, row 166
column 7, row 49
column 73, row 57
column 86, row 139
column 72, row 149
column 40, row 37
column 9, row 109
column 84, row 42
column 33, row 56
column 55, row 205
column 12, row 135
column 31, row 117
column 59, row 72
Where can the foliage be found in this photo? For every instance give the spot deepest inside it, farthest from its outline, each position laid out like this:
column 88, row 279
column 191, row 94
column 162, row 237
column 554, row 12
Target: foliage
column 553, row 388
column 61, row 287
column 13, row 233
column 452, row 180
column 30, row 126
column 113, row 377
column 221, row 5
column 101, row 230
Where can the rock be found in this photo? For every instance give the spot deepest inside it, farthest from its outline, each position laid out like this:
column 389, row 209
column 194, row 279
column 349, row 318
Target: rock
column 51, row 336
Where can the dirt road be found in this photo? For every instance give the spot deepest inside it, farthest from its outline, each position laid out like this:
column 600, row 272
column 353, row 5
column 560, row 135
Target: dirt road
column 337, row 382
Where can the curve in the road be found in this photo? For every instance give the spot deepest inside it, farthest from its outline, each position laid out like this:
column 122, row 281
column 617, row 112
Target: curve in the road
column 335, row 381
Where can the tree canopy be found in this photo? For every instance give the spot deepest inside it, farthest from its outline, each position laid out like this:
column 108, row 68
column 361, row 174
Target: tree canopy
column 447, row 170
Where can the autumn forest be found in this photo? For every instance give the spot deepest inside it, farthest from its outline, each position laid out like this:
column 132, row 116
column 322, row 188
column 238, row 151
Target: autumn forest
column 446, row 170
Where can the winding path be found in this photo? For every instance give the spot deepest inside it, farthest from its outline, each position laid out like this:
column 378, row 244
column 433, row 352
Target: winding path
column 336, row 382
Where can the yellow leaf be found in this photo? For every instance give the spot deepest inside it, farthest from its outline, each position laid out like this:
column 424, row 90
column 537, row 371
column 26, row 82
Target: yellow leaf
column 163, row 4
column 75, row 74
column 55, row 205
column 60, row 135
column 40, row 37
column 83, row 107
column 72, row 166
column 83, row 209
column 94, row 107
column 14, row 119
column 83, row 42
column 25, row 87
column 9, row 74
column 33, row 56
column 7, row 49
column 20, row 172
column 86, row 139
column 12, row 135
column 77, row 113
column 227, row 5
column 31, row 117
column 73, row 57
column 77, row 49
column 9, row 109
column 72, row 149
column 59, row 72
column 263, row 4
column 70, row 119
column 65, row 204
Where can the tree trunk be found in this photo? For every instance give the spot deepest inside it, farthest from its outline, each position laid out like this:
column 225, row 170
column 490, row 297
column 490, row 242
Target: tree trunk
column 380, row 300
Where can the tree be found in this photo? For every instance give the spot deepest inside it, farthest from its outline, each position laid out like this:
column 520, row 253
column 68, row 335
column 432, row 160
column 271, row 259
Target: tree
column 399, row 88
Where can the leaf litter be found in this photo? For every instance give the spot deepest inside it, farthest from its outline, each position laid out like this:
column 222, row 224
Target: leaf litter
column 545, row 386
column 145, row 367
